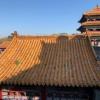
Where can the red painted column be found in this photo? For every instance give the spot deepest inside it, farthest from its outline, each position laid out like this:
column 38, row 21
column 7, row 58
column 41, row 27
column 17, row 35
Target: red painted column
column 43, row 94
column 0, row 93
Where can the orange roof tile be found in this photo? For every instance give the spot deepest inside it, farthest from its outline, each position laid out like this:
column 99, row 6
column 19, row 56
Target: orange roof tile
column 4, row 44
column 94, row 11
column 92, row 33
column 92, row 23
column 49, row 60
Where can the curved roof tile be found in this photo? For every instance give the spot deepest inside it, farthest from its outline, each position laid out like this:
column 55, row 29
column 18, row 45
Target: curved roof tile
column 49, row 60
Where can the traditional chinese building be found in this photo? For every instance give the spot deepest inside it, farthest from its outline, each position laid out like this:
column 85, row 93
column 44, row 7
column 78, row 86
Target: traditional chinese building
column 49, row 68
column 90, row 22
column 90, row 25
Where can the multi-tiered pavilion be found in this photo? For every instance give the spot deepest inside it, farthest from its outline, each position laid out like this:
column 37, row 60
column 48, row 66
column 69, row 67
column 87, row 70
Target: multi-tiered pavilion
column 90, row 22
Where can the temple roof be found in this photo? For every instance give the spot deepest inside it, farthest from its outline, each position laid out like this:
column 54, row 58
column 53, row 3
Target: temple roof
column 93, row 33
column 49, row 60
column 4, row 44
column 94, row 11
column 91, row 23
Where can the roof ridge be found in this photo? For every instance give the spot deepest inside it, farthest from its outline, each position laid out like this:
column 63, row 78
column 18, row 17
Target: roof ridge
column 23, row 37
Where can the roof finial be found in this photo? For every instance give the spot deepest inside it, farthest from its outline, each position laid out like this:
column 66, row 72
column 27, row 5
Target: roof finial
column 14, row 34
column 97, row 6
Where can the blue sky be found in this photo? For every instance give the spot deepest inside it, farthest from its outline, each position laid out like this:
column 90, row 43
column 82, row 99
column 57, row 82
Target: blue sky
column 41, row 17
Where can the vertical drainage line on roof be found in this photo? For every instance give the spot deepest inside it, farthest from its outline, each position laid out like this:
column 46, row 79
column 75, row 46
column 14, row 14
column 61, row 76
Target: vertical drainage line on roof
column 91, row 45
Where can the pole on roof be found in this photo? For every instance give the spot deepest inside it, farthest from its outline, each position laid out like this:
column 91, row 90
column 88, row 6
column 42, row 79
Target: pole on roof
column 97, row 6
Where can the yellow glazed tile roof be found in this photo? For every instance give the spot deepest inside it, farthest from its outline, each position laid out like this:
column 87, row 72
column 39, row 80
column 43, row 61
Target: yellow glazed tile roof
column 91, row 23
column 92, row 33
column 94, row 11
column 49, row 60
column 4, row 44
